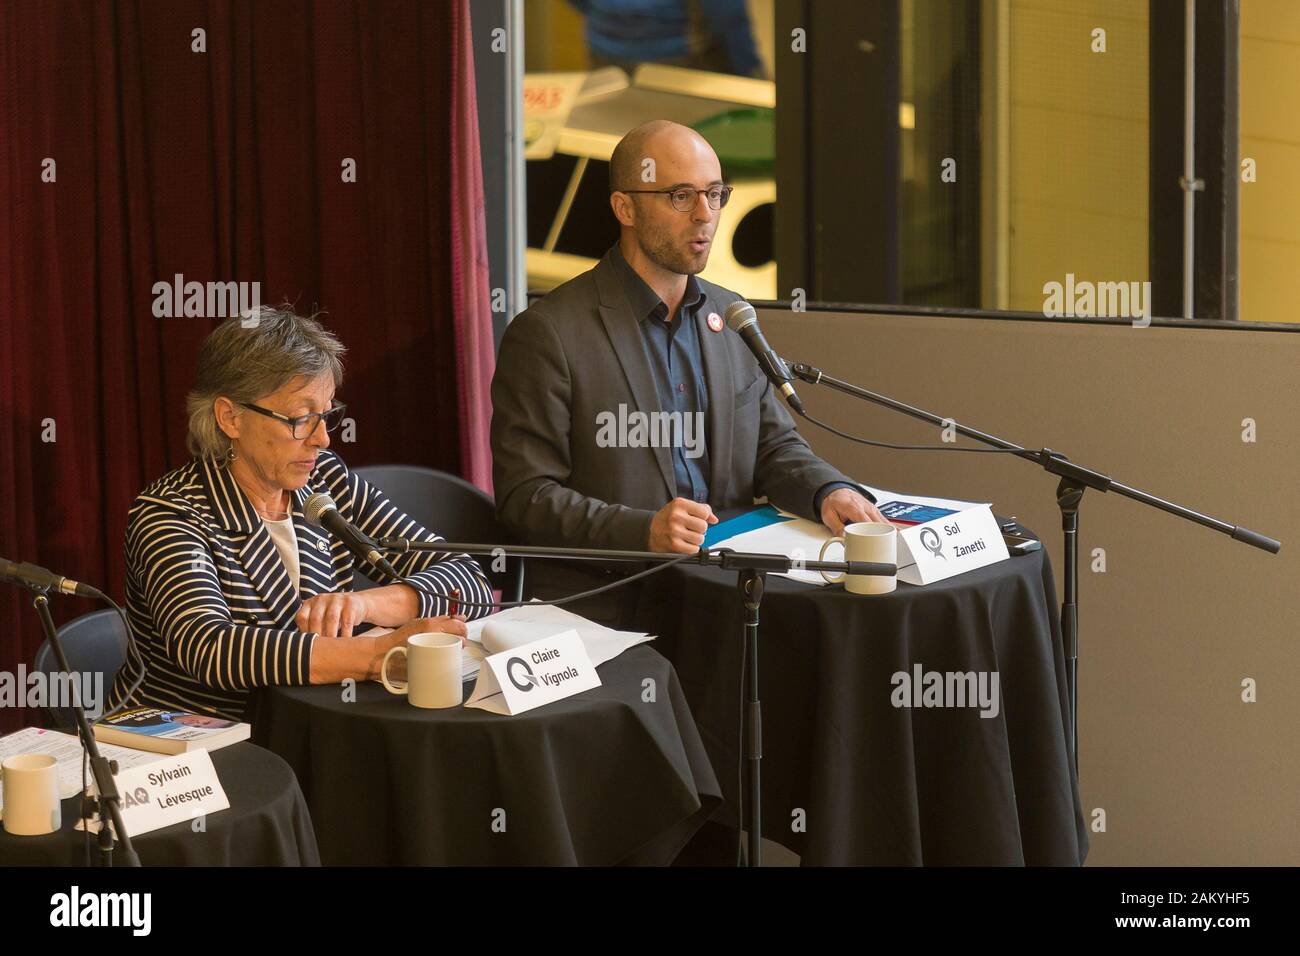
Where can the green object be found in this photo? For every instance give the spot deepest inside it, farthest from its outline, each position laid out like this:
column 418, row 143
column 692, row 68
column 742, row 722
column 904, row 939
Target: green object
column 744, row 139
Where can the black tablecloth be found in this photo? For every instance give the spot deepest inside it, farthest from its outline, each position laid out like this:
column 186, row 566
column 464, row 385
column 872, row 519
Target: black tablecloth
column 878, row 784
column 267, row 824
column 599, row 778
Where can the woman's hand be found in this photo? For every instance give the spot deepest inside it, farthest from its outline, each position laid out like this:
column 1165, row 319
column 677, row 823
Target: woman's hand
column 421, row 625
column 445, row 624
column 334, row 659
column 391, row 606
column 334, row 614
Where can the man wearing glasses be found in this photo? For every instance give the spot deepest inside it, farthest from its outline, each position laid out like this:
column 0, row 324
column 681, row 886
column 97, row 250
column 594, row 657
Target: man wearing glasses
column 640, row 332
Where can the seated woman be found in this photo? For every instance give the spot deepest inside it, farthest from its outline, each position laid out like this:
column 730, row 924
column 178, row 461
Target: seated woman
column 228, row 587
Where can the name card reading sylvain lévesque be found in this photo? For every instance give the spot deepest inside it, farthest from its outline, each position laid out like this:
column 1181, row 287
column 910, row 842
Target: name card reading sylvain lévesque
column 171, row 790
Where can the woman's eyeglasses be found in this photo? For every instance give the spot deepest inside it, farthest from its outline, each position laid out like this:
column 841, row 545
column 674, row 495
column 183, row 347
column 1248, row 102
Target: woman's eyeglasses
column 304, row 426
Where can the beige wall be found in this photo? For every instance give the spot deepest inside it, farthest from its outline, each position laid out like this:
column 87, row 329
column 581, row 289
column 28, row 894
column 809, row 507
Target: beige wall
column 1186, row 772
column 1270, row 134
column 1078, row 145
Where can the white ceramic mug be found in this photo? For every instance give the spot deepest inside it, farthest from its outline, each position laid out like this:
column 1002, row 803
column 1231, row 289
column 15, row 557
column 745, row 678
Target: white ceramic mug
column 866, row 541
column 31, row 795
column 432, row 670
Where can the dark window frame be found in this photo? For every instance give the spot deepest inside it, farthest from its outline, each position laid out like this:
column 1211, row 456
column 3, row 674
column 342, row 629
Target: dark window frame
column 1217, row 275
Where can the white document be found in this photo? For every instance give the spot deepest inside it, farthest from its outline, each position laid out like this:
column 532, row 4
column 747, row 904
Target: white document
column 66, row 749
column 799, row 539
column 602, row 643
column 883, row 497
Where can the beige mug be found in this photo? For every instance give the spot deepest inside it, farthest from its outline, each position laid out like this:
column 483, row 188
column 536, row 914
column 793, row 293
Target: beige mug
column 433, row 668
column 866, row 541
column 31, row 795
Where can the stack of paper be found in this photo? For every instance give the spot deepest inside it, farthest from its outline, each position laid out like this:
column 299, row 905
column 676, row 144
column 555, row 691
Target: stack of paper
column 602, row 643
column 66, row 749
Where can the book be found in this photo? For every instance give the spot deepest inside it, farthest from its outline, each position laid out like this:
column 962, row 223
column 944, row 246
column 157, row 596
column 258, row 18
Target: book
column 168, row 731
column 910, row 513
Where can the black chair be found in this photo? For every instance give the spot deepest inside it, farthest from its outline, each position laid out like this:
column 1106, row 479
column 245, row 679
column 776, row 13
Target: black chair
column 452, row 508
column 94, row 643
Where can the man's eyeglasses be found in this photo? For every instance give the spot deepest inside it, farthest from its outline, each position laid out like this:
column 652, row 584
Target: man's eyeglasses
column 304, row 426
column 684, row 198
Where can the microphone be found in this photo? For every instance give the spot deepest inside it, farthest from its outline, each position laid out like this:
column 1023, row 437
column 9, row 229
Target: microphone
column 742, row 319
column 321, row 511
column 39, row 579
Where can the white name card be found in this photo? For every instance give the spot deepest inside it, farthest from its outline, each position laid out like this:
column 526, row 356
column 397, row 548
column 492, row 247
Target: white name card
column 533, row 674
column 950, row 545
column 172, row 790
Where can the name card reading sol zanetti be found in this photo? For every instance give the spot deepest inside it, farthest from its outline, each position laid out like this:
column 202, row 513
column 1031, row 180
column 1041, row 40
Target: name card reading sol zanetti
column 949, row 546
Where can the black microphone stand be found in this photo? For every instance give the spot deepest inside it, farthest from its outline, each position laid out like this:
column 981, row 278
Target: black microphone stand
column 101, row 768
column 752, row 573
column 1075, row 480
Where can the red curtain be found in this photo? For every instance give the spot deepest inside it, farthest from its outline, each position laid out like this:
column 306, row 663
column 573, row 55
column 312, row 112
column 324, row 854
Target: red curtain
column 224, row 163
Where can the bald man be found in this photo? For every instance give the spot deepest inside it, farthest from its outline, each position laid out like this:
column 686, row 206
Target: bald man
column 625, row 414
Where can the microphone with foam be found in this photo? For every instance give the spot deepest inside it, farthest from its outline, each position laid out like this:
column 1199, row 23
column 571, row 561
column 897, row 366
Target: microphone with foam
column 743, row 320
column 39, row 579
column 321, row 511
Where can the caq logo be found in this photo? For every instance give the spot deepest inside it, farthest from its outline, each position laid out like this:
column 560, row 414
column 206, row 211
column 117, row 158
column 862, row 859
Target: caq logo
column 524, row 683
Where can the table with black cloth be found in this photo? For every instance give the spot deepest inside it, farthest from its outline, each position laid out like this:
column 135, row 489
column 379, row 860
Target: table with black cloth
column 600, row 778
column 879, row 784
column 267, row 824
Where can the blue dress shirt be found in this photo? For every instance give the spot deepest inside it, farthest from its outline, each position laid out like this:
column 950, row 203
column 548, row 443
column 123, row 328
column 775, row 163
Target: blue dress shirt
column 677, row 362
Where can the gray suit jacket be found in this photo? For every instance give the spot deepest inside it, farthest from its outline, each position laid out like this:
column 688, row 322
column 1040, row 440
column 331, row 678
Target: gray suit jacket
column 579, row 352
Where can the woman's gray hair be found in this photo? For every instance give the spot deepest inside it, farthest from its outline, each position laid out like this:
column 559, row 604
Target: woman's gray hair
column 250, row 356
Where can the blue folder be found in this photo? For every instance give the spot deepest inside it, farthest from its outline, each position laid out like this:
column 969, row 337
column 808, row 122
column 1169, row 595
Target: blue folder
column 749, row 521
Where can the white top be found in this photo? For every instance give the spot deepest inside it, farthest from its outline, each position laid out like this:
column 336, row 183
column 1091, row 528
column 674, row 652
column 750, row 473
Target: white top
column 286, row 542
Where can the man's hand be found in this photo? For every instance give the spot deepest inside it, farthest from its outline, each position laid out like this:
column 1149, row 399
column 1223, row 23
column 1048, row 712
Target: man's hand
column 334, row 614
column 845, row 506
column 678, row 527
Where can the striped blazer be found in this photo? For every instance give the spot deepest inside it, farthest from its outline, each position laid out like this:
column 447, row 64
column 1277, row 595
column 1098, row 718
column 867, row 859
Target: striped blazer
column 209, row 599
